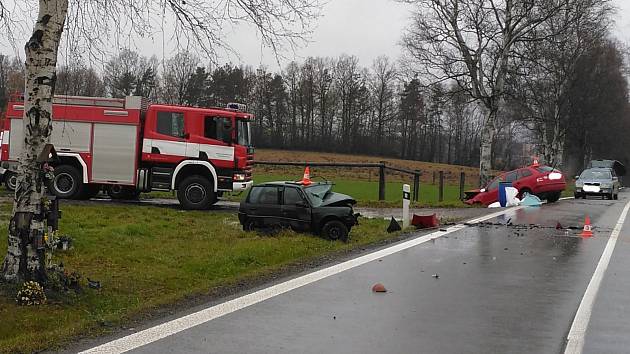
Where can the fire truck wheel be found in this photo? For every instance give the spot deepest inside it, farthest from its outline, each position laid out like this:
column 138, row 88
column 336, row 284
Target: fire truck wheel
column 67, row 183
column 196, row 193
column 10, row 181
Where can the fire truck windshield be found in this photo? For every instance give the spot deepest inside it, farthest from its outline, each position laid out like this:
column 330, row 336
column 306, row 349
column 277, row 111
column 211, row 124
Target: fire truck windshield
column 243, row 133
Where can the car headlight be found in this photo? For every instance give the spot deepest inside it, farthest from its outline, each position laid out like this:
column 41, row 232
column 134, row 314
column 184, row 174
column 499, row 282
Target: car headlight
column 606, row 185
column 239, row 177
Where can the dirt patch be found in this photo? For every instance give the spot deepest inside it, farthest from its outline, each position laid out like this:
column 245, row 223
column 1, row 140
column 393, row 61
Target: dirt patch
column 451, row 172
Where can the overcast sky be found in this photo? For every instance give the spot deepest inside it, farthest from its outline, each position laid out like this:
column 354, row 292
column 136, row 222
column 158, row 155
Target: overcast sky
column 365, row 28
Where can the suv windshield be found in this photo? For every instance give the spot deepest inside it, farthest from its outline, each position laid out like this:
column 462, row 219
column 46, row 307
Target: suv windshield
column 242, row 133
column 595, row 174
column 317, row 192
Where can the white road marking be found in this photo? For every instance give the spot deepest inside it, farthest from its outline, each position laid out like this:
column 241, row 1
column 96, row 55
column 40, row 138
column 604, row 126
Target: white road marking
column 166, row 329
column 575, row 338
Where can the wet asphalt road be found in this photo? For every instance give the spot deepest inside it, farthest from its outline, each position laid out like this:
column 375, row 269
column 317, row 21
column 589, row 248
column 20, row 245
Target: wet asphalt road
column 501, row 289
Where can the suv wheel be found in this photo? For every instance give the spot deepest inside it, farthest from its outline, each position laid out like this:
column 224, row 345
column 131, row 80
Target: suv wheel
column 67, row 183
column 335, row 230
column 10, row 181
column 196, row 193
column 249, row 224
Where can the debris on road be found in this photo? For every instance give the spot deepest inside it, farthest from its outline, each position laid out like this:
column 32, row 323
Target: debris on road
column 393, row 226
column 425, row 221
column 531, row 200
column 588, row 229
column 94, row 284
column 379, row 288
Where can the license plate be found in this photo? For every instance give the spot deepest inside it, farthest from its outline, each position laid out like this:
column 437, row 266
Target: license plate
column 592, row 189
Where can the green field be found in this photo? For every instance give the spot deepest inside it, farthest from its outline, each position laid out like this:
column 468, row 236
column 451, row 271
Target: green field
column 149, row 257
column 366, row 192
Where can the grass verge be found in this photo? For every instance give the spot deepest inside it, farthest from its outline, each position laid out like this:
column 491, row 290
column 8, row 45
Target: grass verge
column 149, row 257
column 366, row 192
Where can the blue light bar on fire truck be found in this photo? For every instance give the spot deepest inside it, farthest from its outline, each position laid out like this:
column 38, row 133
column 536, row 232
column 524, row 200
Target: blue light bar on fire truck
column 237, row 106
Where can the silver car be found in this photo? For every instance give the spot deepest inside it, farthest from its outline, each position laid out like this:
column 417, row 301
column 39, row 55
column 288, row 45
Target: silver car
column 601, row 182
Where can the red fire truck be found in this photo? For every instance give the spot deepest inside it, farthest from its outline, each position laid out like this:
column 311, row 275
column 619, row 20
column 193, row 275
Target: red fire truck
column 126, row 146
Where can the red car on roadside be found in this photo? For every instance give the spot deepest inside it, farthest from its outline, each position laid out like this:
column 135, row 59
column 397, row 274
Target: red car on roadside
column 542, row 181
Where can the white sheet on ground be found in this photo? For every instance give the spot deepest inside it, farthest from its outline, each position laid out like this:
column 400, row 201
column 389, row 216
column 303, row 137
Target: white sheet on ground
column 531, row 200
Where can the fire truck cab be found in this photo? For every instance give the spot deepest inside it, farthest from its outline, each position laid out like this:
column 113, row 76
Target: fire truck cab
column 126, row 146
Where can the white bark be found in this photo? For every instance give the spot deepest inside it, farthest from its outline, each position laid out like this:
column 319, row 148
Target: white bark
column 488, row 133
column 25, row 255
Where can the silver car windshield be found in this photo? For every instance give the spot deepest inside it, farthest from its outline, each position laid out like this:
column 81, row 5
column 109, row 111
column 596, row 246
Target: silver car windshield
column 594, row 174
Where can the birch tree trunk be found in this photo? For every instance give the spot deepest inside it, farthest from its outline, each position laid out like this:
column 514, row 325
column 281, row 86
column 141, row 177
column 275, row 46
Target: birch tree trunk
column 487, row 138
column 25, row 259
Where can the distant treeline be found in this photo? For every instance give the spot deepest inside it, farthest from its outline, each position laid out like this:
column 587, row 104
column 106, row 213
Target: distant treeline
column 337, row 105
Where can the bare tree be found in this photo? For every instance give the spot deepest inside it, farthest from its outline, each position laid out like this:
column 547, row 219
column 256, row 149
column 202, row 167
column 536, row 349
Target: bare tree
column 89, row 26
column 177, row 72
column 546, row 68
column 78, row 80
column 472, row 43
column 130, row 73
column 382, row 83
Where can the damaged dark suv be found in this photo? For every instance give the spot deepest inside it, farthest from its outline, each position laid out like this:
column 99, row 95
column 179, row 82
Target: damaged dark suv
column 312, row 207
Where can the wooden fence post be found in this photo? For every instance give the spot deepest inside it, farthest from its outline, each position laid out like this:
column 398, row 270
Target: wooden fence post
column 462, row 181
column 416, row 186
column 441, row 187
column 381, row 181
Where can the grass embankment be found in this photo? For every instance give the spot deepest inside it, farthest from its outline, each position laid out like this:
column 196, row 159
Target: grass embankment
column 149, row 257
column 366, row 192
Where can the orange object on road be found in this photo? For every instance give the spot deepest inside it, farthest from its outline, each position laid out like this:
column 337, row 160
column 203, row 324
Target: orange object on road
column 379, row 288
column 425, row 221
column 588, row 229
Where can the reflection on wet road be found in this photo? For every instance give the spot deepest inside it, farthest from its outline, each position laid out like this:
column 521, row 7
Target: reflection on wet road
column 511, row 285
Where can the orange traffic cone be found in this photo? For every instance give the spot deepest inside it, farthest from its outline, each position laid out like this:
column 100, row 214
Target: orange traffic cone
column 306, row 180
column 588, row 229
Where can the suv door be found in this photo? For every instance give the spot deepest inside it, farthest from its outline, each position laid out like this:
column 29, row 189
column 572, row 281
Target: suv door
column 263, row 205
column 296, row 210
